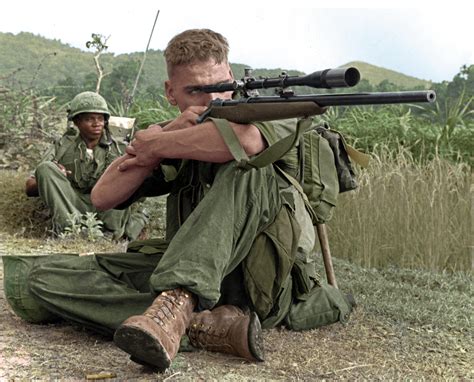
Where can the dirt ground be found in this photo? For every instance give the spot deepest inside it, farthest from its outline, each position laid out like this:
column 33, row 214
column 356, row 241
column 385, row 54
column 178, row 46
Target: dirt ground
column 370, row 347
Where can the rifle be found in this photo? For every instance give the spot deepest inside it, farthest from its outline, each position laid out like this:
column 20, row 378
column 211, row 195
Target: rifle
column 251, row 107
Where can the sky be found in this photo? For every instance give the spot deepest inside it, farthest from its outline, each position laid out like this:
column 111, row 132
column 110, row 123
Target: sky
column 413, row 37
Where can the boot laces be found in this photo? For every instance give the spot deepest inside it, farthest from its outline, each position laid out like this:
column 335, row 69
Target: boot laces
column 163, row 311
column 203, row 335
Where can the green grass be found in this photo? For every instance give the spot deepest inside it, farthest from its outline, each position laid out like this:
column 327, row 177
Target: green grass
column 427, row 300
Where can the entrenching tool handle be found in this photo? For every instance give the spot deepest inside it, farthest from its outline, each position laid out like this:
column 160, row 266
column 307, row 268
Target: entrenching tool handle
column 323, row 240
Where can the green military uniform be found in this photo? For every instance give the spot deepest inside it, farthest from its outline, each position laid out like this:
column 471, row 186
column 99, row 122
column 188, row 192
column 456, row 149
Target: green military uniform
column 233, row 237
column 66, row 195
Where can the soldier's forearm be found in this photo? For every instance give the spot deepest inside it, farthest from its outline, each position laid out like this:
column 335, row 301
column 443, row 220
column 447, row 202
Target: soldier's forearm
column 204, row 142
column 115, row 187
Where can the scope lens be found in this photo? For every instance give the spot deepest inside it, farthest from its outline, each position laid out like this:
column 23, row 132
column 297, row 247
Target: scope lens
column 352, row 76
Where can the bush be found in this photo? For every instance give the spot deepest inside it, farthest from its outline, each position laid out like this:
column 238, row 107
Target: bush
column 392, row 127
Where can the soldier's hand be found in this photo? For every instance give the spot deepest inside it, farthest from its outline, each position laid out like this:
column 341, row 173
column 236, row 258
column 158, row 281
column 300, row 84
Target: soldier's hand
column 186, row 119
column 141, row 149
column 62, row 169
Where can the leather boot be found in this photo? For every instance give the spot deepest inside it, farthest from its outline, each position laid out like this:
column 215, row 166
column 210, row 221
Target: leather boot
column 153, row 338
column 227, row 329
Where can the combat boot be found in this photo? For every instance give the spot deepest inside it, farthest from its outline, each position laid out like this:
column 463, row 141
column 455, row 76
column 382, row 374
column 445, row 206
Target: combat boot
column 227, row 329
column 153, row 338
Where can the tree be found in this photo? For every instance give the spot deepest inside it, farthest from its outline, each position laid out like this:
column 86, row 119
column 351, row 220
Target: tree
column 99, row 42
column 463, row 82
column 65, row 89
column 118, row 85
column 387, row 86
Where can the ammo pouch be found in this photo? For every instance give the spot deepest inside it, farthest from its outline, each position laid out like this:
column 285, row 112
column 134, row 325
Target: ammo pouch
column 345, row 172
column 321, row 306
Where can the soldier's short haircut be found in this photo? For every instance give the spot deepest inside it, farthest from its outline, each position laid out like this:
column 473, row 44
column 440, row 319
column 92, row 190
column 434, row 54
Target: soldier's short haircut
column 196, row 45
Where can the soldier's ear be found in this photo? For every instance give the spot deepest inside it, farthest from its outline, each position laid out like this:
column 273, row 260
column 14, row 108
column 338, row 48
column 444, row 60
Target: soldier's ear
column 170, row 93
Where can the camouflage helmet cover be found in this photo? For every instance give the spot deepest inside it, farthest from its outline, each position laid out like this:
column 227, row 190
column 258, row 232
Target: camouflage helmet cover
column 88, row 102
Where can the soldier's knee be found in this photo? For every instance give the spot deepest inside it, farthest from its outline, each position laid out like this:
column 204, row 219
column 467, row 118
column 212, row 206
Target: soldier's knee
column 17, row 273
column 45, row 169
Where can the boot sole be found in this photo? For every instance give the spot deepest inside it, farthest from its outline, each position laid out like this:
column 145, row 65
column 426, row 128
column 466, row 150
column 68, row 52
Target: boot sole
column 142, row 346
column 255, row 338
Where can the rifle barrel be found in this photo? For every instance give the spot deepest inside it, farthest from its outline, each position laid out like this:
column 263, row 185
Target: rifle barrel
column 341, row 99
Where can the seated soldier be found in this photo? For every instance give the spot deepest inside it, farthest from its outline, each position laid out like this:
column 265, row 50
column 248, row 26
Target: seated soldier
column 71, row 167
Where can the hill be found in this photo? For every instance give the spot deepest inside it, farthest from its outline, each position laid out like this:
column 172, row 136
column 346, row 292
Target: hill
column 33, row 60
column 42, row 62
column 376, row 74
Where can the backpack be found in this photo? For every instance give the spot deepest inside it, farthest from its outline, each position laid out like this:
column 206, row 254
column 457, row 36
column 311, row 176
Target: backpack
column 312, row 157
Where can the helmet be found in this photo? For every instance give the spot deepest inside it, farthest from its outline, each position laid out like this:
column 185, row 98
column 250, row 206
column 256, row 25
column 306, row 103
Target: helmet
column 88, row 102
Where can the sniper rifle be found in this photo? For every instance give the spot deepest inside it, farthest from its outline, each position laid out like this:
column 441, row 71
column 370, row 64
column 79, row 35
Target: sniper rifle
column 251, row 107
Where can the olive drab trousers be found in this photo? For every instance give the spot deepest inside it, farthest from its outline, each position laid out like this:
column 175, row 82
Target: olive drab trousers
column 63, row 199
column 214, row 254
column 100, row 291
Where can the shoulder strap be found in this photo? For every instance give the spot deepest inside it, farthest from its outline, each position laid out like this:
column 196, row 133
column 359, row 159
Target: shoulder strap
column 270, row 155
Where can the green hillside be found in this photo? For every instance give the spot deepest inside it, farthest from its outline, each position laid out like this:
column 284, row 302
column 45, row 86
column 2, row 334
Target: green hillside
column 376, row 74
column 32, row 60
column 50, row 60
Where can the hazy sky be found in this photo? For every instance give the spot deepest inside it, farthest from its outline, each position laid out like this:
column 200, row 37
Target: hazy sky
column 416, row 38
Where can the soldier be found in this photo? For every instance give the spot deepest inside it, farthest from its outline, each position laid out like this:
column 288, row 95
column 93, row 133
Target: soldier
column 70, row 168
column 239, row 252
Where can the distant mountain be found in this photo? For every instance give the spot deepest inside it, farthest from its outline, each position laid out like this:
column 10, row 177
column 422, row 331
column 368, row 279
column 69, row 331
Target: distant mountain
column 376, row 74
column 33, row 60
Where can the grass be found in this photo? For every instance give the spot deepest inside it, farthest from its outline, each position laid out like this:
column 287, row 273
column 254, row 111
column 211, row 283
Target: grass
column 408, row 214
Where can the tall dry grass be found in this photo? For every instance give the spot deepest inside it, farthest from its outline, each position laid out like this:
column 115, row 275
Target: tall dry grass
column 407, row 214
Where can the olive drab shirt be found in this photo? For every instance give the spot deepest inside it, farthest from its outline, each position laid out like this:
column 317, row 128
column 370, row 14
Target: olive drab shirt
column 85, row 169
column 187, row 182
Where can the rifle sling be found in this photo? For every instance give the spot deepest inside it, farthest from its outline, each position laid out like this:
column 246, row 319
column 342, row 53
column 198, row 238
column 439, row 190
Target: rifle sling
column 270, row 155
column 231, row 140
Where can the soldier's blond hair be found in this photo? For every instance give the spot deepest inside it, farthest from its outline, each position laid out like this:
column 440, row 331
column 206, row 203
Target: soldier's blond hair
column 196, row 45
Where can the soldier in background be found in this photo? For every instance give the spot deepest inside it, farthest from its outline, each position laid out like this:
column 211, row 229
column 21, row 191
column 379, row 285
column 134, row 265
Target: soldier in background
column 70, row 168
